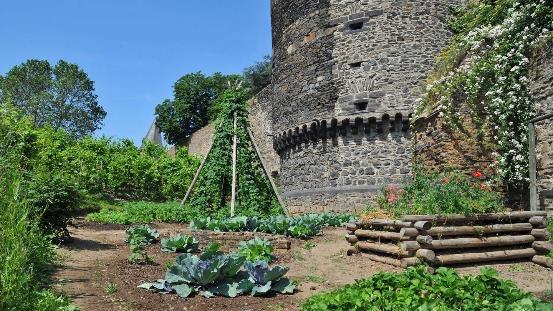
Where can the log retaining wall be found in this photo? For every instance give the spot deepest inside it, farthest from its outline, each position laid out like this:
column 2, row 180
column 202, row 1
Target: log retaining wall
column 453, row 239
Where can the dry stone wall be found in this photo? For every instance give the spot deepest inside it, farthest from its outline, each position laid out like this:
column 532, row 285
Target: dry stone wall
column 346, row 74
column 541, row 85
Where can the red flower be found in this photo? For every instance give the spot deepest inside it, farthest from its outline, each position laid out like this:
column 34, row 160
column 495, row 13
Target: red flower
column 477, row 174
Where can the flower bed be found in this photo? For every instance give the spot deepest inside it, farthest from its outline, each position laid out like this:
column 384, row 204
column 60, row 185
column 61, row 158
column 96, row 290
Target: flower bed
column 446, row 240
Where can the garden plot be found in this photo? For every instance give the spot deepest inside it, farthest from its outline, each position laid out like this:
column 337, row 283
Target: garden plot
column 98, row 258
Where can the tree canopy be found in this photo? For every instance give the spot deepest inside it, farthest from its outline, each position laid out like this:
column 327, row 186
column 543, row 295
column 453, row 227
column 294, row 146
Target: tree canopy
column 258, row 75
column 61, row 96
column 193, row 105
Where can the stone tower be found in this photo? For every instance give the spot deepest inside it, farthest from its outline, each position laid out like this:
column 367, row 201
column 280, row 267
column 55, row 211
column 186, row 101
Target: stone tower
column 345, row 79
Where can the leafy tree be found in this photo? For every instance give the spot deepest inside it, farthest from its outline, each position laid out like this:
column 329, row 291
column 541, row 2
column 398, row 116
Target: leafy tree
column 191, row 107
column 61, row 96
column 258, row 76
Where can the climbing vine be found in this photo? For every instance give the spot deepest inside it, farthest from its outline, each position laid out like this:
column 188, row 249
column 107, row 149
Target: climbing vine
column 212, row 192
column 486, row 67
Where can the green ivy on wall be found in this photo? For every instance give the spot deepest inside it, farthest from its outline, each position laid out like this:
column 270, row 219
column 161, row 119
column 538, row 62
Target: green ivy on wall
column 212, row 192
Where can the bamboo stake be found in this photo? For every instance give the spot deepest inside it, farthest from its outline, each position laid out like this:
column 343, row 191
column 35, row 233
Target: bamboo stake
column 234, row 143
column 275, row 190
column 195, row 177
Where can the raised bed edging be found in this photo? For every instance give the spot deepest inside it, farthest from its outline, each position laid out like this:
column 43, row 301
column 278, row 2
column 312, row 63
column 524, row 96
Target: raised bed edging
column 231, row 240
column 453, row 239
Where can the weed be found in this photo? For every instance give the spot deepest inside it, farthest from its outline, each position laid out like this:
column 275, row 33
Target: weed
column 111, row 288
column 516, row 268
column 298, row 256
column 309, row 245
column 315, row 278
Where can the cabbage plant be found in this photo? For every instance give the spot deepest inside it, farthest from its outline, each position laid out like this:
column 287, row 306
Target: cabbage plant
column 256, row 249
column 216, row 274
column 179, row 244
column 144, row 233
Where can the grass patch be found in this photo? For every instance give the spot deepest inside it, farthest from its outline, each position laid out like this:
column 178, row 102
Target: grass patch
column 142, row 212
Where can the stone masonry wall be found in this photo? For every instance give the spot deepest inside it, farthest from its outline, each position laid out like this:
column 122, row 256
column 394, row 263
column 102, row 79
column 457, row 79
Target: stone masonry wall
column 199, row 142
column 341, row 64
column 261, row 126
column 438, row 147
column 541, row 86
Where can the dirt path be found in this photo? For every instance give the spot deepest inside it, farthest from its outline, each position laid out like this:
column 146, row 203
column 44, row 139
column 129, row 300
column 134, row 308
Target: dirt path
column 97, row 257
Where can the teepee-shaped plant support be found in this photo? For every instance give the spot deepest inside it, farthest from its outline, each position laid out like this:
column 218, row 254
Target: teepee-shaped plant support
column 233, row 169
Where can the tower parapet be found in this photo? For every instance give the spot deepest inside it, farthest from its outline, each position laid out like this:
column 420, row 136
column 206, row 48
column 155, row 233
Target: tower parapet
column 345, row 80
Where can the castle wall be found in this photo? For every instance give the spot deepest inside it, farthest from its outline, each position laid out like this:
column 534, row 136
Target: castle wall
column 261, row 125
column 342, row 64
column 541, row 87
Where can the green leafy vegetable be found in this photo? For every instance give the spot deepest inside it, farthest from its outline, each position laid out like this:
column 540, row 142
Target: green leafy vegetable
column 179, row 244
column 416, row 289
column 256, row 249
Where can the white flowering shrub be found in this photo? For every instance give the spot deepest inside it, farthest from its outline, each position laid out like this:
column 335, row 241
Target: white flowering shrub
column 486, row 67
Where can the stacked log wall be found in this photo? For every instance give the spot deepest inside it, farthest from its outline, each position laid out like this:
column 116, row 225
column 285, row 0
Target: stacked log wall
column 453, row 239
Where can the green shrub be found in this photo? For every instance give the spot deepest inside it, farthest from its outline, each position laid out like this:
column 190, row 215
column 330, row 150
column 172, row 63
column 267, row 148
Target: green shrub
column 416, row 289
column 26, row 254
column 143, row 212
column 439, row 193
column 256, row 249
column 54, row 200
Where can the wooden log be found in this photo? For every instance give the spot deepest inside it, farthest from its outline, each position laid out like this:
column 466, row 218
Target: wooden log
column 408, row 232
column 352, row 239
column 409, row 246
column 423, row 225
column 538, row 221
column 385, row 235
column 523, row 215
column 383, row 259
column 351, row 226
column 427, row 255
column 234, row 159
column 541, row 234
column 543, row 247
column 481, row 242
column 479, row 230
column 386, row 223
column 409, row 262
column 485, row 256
column 384, row 248
column 424, row 239
column 352, row 251
column 543, row 261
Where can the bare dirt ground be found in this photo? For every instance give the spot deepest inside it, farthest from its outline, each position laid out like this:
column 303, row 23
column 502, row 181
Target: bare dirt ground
column 98, row 256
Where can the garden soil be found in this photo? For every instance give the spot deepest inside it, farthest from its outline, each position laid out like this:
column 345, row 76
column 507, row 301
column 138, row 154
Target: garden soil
column 97, row 256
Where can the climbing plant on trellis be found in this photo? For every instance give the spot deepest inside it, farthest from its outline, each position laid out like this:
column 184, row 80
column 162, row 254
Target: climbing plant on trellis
column 211, row 195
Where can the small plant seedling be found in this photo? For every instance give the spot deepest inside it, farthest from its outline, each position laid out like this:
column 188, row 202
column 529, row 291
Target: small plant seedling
column 111, row 288
column 516, row 268
column 315, row 278
column 168, row 264
column 298, row 256
column 309, row 245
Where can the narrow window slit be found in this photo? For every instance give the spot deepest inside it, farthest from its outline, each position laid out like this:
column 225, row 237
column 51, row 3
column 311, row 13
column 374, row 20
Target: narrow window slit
column 356, row 26
column 361, row 106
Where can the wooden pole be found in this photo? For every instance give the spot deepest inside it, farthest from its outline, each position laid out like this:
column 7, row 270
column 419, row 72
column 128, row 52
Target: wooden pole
column 195, row 177
column 234, row 143
column 267, row 173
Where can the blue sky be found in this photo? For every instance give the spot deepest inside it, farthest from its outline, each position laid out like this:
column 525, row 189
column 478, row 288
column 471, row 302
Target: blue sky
column 135, row 50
